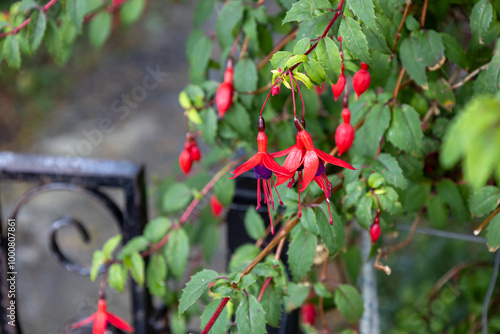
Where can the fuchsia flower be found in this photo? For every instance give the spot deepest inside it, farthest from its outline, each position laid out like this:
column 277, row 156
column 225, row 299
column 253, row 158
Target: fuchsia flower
column 101, row 318
column 263, row 166
column 308, row 161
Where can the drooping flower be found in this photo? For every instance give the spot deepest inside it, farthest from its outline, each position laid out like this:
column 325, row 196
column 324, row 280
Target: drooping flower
column 263, row 166
column 344, row 135
column 185, row 161
column 101, row 318
column 308, row 161
column 338, row 88
column 361, row 80
column 224, row 94
column 216, row 206
column 195, row 151
column 308, row 313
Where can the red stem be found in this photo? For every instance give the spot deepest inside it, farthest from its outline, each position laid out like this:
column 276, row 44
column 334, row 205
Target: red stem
column 267, row 98
column 216, row 314
column 293, row 94
column 27, row 21
column 301, row 99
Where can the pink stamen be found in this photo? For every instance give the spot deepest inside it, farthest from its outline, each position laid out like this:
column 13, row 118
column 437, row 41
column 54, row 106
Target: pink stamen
column 269, row 208
column 258, row 195
column 270, row 193
column 300, row 177
column 329, row 212
column 274, row 184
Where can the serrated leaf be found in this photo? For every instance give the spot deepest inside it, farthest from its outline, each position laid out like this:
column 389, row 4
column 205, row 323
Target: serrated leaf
column 100, row 28
column 136, row 244
column 176, row 197
column 229, row 16
column 444, row 94
column 367, row 139
column 454, row 51
column 219, row 327
column 376, row 41
column 388, row 166
column 110, row 246
column 195, row 288
column 333, row 236
column 301, row 254
column 245, row 79
column 193, row 115
column 354, row 39
column 117, row 276
column 240, row 121
column 243, row 254
column 493, row 233
column 26, row 5
column 156, row 275
column 480, row 19
column 438, row 215
column 36, row 29
column 177, row 323
column 349, row 302
column 296, row 295
column 11, row 51
column 411, row 56
column 156, row 229
column 306, row 10
column 250, row 316
column 493, row 74
column 272, row 303
column 309, row 221
column 484, row 200
column 353, row 192
column 280, row 58
column 450, row 194
column 210, row 127
column 177, row 252
column 198, row 54
column 203, row 10
column 295, row 59
column 254, row 224
column 97, row 261
column 406, row 129
column 315, row 72
column 131, row 11
column 53, row 41
column 364, row 10
column 432, row 43
column 364, row 211
column 75, row 9
column 135, row 263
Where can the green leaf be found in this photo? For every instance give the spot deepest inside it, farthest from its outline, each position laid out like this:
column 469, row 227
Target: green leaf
column 329, row 58
column 245, row 79
column 219, row 327
column 117, row 276
column 493, row 74
column 406, row 129
column 354, row 39
column 388, row 166
column 36, row 29
column 322, row 291
column 53, row 40
column 243, row 254
column 110, row 246
column 349, row 302
column 438, row 215
column 449, row 193
column 177, row 252
column 432, row 43
column 364, row 211
column 296, row 295
column 156, row 229
column 11, row 51
column 376, row 41
column 157, row 275
column 229, row 16
column 224, row 190
column 98, row 260
column 416, row 196
column 136, row 244
column 240, row 122
column 309, row 221
column 295, row 59
column 100, row 28
column 375, row 180
column 301, row 254
column 493, row 233
column 367, row 139
column 177, row 323
column 203, row 10
column 480, row 19
column 210, row 241
column 210, row 127
column 280, row 58
column 254, row 224
column 484, row 200
column 195, row 288
column 250, row 316
column 315, row 72
column 332, row 235
column 135, row 263
column 364, row 10
column 454, row 51
column 26, row 5
column 353, row 192
column 131, row 11
column 444, row 94
column 306, row 10
column 411, row 56
column 198, row 55
column 176, row 197
column 272, row 303
column 75, row 9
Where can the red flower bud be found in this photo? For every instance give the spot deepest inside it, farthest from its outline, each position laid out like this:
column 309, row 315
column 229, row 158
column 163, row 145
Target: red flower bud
column 185, row 161
column 228, row 75
column 338, row 88
column 344, row 136
column 195, row 152
column 361, row 80
column 275, row 90
column 216, row 206
column 308, row 313
column 375, row 232
column 224, row 97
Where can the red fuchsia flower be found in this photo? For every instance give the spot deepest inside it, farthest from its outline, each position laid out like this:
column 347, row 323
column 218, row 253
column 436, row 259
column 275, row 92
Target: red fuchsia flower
column 275, row 90
column 263, row 166
column 308, row 314
column 344, row 136
column 216, row 206
column 195, row 151
column 375, row 232
column 361, row 80
column 224, row 95
column 185, row 161
column 101, row 319
column 308, row 161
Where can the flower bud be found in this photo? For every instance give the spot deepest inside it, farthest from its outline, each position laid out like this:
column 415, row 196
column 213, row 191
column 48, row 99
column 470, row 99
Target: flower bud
column 346, row 115
column 228, row 75
column 344, row 136
column 216, row 206
column 375, row 232
column 185, row 161
column 361, row 80
column 275, row 90
column 195, row 152
column 308, row 313
column 224, row 97
column 338, row 88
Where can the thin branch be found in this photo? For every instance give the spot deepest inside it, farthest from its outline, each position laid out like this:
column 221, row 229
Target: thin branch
column 468, row 77
column 278, row 47
column 424, row 14
column 277, row 256
column 244, row 48
column 398, row 86
column 483, row 225
column 216, row 314
column 491, row 287
column 386, row 251
column 400, row 28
